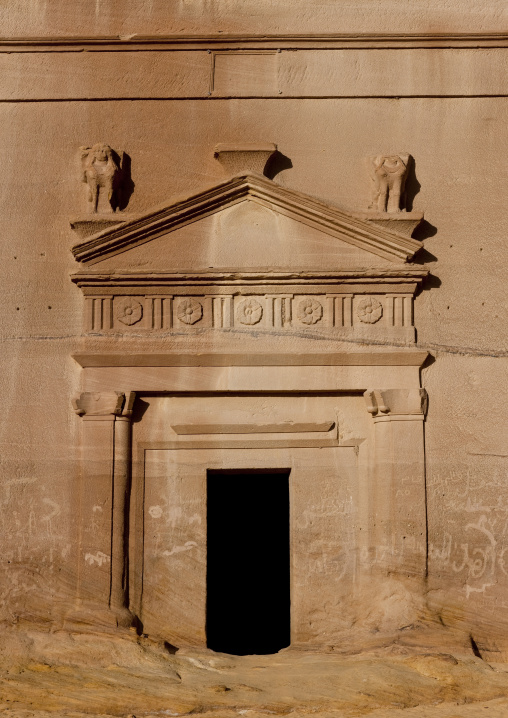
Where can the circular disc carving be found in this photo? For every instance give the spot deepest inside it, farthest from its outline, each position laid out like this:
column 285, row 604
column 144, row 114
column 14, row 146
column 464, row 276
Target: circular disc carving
column 369, row 310
column 189, row 311
column 310, row 311
column 128, row 310
column 249, row 311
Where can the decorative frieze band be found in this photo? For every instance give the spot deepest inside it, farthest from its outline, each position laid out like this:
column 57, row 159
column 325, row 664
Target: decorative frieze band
column 134, row 313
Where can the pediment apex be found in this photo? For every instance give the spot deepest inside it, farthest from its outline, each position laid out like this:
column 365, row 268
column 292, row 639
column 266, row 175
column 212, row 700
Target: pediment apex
column 185, row 209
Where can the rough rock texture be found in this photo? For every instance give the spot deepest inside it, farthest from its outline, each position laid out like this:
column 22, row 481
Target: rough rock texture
column 82, row 674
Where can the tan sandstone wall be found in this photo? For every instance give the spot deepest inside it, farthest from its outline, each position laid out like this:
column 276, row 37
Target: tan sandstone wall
column 157, row 17
column 447, row 107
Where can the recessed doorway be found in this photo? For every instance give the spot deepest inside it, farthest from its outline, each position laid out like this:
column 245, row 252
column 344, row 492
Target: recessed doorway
column 248, row 561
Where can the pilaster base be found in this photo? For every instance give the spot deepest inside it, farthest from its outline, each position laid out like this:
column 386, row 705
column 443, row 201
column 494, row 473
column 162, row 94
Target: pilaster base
column 94, row 618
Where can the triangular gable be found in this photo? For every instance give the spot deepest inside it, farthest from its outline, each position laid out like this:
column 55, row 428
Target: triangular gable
column 327, row 219
column 244, row 237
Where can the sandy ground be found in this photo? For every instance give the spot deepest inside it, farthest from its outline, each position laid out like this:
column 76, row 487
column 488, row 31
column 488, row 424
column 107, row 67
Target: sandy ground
column 52, row 675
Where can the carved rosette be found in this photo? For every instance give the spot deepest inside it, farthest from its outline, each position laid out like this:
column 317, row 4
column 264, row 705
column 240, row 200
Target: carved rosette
column 189, row 311
column 369, row 310
column 249, row 312
column 310, row 311
column 128, row 310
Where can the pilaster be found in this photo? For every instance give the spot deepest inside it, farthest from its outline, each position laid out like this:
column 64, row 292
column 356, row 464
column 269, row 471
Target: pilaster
column 398, row 514
column 102, row 596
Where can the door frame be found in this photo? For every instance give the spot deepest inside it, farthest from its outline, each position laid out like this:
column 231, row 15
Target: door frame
column 395, row 456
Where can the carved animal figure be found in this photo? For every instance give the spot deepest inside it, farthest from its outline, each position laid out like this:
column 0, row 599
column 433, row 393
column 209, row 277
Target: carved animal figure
column 100, row 173
column 389, row 173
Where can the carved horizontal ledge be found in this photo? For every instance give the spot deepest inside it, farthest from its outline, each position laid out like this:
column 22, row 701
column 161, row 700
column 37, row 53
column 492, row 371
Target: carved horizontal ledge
column 247, row 278
column 131, row 43
column 247, row 442
column 300, row 207
column 287, row 427
column 408, row 357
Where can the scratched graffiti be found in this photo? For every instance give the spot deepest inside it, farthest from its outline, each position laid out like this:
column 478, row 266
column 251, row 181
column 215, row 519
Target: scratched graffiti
column 35, row 541
column 479, row 560
column 335, row 564
column 30, row 523
column 97, row 559
column 175, row 510
column 188, row 546
column 475, row 545
column 173, row 520
column 326, row 508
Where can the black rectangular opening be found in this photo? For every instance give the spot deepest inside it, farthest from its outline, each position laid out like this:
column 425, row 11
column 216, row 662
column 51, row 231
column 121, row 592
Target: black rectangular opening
column 248, row 574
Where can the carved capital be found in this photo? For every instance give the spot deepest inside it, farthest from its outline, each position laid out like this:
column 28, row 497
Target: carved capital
column 401, row 402
column 109, row 403
column 128, row 406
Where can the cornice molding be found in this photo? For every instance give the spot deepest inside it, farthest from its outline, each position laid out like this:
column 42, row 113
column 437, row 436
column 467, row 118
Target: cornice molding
column 265, row 41
column 298, row 206
column 254, row 278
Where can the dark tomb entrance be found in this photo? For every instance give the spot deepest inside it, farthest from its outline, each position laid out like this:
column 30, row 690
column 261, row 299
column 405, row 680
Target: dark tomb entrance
column 248, row 597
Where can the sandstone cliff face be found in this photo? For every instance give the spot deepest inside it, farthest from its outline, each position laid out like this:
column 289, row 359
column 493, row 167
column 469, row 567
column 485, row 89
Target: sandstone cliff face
column 155, row 17
column 327, row 106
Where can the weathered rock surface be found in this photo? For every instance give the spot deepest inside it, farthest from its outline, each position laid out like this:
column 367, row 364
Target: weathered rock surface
column 58, row 674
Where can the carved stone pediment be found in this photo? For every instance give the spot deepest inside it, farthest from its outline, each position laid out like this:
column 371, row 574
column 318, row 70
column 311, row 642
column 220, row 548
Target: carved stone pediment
column 248, row 254
column 258, row 192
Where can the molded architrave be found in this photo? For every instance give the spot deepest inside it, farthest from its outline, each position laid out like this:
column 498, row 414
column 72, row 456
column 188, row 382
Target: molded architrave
column 407, row 357
column 298, row 206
